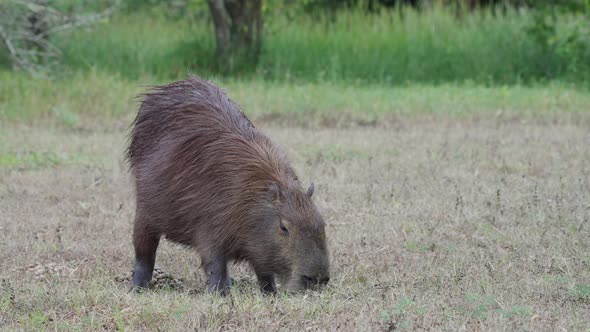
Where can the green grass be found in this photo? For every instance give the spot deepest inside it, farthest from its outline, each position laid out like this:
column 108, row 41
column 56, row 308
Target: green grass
column 428, row 46
column 139, row 45
column 101, row 97
column 34, row 159
column 431, row 46
column 84, row 94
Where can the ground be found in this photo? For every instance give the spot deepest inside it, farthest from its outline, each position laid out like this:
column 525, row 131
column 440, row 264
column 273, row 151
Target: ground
column 434, row 222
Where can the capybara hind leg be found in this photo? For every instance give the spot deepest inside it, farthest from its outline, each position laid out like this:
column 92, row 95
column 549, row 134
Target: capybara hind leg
column 218, row 279
column 146, row 244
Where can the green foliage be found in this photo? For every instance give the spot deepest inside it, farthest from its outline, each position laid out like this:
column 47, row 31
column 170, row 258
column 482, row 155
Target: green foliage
column 431, row 45
column 479, row 306
column 80, row 6
column 403, row 45
column 404, row 305
column 174, row 9
column 580, row 292
column 137, row 45
column 561, row 30
column 397, row 46
column 391, row 47
column 37, row 320
column 514, row 312
column 322, row 5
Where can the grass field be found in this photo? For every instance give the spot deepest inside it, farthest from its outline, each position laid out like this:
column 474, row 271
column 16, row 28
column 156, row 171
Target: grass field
column 99, row 99
column 447, row 208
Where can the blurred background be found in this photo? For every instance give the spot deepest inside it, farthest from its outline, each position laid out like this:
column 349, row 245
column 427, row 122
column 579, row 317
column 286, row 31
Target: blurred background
column 78, row 63
column 390, row 42
column 56, row 55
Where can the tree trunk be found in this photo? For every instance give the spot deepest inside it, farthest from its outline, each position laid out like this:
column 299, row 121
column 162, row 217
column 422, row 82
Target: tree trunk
column 238, row 31
column 222, row 24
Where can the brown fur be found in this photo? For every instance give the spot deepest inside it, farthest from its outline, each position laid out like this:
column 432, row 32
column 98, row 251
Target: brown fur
column 208, row 179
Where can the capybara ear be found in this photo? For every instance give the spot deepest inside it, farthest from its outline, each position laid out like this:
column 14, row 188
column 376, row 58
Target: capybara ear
column 310, row 190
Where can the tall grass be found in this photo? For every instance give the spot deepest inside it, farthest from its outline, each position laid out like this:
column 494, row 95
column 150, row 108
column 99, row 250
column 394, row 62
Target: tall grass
column 138, row 45
column 392, row 47
column 92, row 95
column 405, row 46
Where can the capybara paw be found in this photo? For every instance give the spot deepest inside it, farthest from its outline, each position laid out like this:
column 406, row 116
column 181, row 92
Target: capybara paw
column 214, row 289
column 137, row 288
column 222, row 287
column 139, row 282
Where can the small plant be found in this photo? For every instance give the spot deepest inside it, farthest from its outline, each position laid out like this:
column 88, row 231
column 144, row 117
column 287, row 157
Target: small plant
column 394, row 320
column 515, row 311
column 403, row 305
column 37, row 320
column 580, row 292
column 479, row 306
column 69, row 119
column 420, row 247
column 556, row 279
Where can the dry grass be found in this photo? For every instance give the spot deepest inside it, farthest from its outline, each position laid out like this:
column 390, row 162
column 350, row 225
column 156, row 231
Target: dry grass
column 434, row 223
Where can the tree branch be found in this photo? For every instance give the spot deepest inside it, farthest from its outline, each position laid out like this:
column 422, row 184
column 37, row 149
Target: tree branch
column 25, row 28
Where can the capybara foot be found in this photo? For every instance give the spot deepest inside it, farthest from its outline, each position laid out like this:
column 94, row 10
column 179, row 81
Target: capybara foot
column 142, row 275
column 219, row 284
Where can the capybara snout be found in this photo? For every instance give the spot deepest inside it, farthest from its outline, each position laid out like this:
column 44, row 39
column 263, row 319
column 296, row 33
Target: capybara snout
column 207, row 178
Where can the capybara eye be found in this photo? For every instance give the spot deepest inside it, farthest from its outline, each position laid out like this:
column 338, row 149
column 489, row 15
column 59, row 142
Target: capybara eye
column 284, row 229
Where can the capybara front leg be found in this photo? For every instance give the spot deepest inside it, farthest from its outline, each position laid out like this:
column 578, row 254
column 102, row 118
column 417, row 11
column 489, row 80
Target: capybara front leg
column 216, row 270
column 146, row 245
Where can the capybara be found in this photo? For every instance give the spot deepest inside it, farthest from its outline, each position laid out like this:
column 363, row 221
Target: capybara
column 206, row 178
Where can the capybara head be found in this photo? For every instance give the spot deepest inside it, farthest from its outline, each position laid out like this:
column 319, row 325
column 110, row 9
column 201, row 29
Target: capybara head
column 296, row 229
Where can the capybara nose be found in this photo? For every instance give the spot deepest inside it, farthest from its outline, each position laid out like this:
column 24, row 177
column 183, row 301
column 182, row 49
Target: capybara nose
column 324, row 281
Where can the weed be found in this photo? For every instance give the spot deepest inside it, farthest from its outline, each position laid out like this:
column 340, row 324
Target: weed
column 37, row 159
column 514, row 312
column 479, row 306
column 580, row 292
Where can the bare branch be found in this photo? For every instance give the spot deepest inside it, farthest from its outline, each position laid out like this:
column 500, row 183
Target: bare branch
column 80, row 21
column 27, row 25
